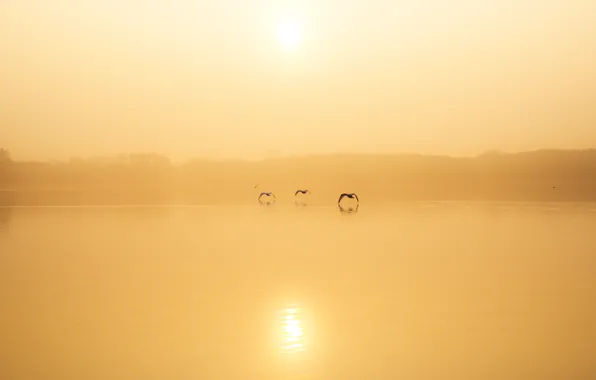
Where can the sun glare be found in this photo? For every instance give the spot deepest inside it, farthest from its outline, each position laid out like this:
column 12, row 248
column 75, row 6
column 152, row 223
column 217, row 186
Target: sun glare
column 289, row 34
column 293, row 331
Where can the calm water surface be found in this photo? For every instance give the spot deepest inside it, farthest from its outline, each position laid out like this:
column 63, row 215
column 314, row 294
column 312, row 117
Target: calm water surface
column 410, row 291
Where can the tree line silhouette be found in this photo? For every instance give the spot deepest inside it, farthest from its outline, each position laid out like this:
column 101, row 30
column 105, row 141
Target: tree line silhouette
column 543, row 175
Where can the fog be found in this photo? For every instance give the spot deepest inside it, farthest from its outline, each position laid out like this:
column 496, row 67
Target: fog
column 136, row 138
column 150, row 179
column 210, row 78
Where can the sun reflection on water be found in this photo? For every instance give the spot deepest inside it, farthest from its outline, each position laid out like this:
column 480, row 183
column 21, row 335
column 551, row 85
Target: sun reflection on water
column 293, row 331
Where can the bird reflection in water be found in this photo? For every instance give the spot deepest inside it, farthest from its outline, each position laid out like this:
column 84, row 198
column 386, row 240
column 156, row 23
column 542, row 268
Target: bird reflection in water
column 293, row 331
column 349, row 209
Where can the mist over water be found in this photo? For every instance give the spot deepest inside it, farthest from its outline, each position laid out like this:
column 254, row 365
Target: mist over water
column 450, row 290
column 137, row 137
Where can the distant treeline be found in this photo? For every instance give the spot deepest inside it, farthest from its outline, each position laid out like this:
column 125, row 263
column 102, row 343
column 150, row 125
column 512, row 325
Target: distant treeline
column 544, row 175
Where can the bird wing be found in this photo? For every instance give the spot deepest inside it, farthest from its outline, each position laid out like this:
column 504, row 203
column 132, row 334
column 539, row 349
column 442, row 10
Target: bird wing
column 261, row 195
column 341, row 197
column 273, row 195
column 296, row 193
column 357, row 198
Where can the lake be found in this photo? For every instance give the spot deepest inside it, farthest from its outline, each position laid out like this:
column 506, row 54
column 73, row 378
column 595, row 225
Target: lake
column 393, row 291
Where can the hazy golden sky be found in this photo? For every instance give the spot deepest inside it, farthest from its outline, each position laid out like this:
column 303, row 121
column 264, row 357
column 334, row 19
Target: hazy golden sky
column 192, row 78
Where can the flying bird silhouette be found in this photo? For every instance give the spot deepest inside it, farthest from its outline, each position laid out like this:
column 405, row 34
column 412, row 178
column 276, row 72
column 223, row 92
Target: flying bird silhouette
column 348, row 195
column 269, row 194
column 302, row 192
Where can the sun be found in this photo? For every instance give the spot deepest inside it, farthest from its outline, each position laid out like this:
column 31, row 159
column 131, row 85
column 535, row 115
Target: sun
column 289, row 34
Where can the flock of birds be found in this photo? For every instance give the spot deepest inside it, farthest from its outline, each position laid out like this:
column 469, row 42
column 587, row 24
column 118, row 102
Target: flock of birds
column 306, row 191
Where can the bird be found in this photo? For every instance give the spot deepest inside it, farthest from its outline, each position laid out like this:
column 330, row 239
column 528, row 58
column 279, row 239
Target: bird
column 268, row 194
column 349, row 195
column 302, row 192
